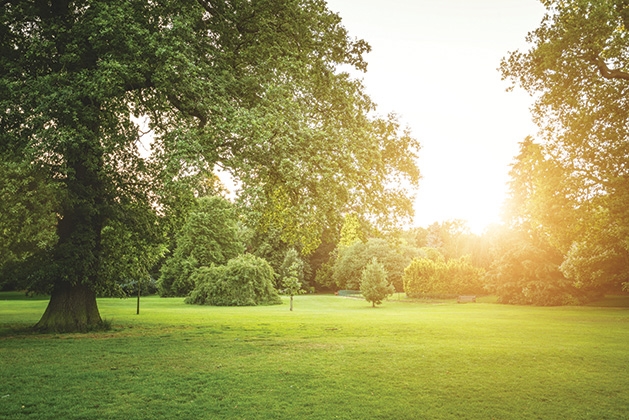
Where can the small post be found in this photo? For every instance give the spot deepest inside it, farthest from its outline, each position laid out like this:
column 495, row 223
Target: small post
column 139, row 290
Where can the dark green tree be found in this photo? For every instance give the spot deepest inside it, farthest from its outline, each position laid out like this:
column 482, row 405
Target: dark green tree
column 254, row 87
column 351, row 261
column 27, row 226
column 210, row 236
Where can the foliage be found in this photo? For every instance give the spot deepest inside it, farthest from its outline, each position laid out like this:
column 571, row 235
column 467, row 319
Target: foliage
column 292, row 267
column 325, row 274
column 128, row 255
column 292, row 270
column 435, row 277
column 320, row 261
column 245, row 281
column 350, row 262
column 599, row 261
column 210, row 236
column 351, row 231
column 27, row 226
column 373, row 283
column 526, row 272
column 575, row 179
column 268, row 245
column 279, row 254
column 453, row 239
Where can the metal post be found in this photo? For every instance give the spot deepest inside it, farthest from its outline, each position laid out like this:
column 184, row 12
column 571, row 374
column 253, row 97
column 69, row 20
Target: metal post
column 139, row 290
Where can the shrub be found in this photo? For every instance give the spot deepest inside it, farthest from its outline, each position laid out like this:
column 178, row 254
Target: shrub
column 246, row 280
column 428, row 277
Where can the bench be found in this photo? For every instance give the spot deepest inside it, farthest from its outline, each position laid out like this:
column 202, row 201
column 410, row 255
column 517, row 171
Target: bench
column 466, row 299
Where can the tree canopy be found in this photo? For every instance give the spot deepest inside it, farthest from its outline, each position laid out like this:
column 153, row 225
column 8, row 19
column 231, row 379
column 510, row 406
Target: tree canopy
column 578, row 70
column 256, row 88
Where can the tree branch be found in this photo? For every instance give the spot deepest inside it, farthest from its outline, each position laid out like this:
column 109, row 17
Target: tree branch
column 188, row 110
column 608, row 73
column 209, row 7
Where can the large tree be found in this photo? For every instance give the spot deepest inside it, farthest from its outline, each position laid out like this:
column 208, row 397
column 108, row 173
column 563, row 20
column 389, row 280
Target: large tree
column 578, row 70
column 254, row 87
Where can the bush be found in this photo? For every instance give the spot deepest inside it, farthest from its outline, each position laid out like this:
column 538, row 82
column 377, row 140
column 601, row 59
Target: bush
column 245, row 281
column 427, row 277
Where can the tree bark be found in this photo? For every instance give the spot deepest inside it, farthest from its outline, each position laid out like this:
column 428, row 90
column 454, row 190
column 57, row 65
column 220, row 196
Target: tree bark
column 71, row 309
column 291, row 302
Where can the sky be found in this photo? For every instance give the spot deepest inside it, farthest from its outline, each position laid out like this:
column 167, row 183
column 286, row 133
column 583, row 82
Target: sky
column 434, row 63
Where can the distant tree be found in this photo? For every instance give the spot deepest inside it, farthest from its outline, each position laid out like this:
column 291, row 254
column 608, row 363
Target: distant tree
column 291, row 276
column 526, row 271
column 281, row 255
column 452, row 238
column 350, row 262
column 373, row 283
column 292, row 266
column 210, row 236
column 268, row 245
column 246, row 280
column 319, row 274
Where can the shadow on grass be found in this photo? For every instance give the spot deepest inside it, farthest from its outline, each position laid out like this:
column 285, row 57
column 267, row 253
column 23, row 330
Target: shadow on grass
column 17, row 295
column 612, row 301
column 24, row 330
column 17, row 330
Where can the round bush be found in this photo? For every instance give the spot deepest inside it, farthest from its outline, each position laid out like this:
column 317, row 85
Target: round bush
column 246, row 280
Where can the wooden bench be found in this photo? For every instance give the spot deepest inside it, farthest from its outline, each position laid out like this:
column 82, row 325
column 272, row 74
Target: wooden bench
column 466, row 299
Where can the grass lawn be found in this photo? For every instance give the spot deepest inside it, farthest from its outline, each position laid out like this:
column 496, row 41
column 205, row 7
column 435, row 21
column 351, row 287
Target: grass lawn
column 331, row 358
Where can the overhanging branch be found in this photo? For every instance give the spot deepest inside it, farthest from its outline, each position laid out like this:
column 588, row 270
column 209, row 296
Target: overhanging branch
column 608, row 73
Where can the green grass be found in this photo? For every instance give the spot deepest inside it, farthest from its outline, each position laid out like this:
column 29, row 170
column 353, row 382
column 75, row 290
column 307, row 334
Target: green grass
column 331, row 358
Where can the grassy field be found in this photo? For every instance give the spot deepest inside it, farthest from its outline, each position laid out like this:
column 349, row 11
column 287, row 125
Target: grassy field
column 332, row 358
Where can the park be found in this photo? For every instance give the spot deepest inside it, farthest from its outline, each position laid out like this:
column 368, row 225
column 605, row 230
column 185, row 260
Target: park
column 205, row 214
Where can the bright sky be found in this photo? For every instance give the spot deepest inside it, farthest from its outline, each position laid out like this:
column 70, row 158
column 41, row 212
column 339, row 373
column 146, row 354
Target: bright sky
column 434, row 63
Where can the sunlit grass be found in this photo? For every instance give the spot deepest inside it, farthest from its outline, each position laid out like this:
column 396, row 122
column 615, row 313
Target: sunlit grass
column 330, row 358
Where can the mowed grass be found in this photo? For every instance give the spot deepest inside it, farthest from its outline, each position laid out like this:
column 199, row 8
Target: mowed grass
column 331, row 358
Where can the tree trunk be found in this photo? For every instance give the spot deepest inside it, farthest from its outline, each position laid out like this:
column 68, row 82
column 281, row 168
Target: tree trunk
column 291, row 302
column 71, row 309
